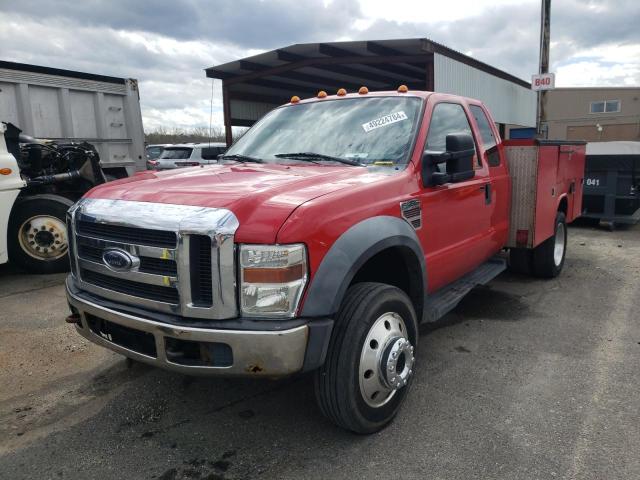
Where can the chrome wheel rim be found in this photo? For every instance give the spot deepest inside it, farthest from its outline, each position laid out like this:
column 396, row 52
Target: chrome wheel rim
column 43, row 238
column 386, row 360
column 558, row 249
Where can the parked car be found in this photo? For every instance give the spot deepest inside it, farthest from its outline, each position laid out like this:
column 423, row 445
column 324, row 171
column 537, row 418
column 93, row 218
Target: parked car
column 153, row 151
column 188, row 155
column 328, row 233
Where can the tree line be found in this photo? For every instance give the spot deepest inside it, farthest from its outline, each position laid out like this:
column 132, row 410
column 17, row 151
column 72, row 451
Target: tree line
column 181, row 135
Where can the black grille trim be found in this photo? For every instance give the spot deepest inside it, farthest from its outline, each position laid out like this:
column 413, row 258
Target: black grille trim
column 155, row 266
column 200, row 269
column 133, row 235
column 128, row 287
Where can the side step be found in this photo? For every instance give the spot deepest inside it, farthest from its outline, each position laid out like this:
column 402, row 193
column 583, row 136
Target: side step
column 447, row 298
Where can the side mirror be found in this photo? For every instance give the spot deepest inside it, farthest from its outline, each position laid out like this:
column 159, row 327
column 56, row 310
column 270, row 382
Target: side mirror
column 458, row 157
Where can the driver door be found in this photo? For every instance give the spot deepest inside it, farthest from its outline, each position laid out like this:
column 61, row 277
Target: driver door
column 457, row 222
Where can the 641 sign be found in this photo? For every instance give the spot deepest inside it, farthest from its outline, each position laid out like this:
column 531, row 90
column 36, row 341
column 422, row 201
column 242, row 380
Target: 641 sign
column 543, row 81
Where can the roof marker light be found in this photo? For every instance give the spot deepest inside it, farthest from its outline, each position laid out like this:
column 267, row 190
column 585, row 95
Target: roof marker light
column 363, row 90
column 295, row 99
column 342, row 92
column 403, row 89
column 322, row 94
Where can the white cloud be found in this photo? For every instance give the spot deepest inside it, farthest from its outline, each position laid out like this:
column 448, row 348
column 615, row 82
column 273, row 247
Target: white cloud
column 431, row 11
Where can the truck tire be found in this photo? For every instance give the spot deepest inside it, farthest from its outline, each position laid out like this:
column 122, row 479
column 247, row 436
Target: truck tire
column 520, row 260
column 370, row 360
column 548, row 257
column 37, row 234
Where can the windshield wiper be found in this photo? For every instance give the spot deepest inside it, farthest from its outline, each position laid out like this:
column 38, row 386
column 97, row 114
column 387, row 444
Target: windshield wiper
column 241, row 158
column 311, row 156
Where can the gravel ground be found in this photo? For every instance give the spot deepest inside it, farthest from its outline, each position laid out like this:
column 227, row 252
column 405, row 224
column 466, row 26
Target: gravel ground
column 526, row 379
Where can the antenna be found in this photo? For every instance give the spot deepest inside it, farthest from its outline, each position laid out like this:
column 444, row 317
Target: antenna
column 211, row 114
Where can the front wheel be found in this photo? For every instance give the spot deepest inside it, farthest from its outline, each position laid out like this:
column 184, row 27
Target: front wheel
column 548, row 257
column 37, row 235
column 370, row 361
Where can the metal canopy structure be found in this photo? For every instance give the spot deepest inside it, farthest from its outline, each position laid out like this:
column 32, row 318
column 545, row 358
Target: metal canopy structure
column 255, row 85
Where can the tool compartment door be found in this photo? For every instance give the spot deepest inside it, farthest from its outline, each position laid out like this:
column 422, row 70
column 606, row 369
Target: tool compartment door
column 571, row 161
column 549, row 190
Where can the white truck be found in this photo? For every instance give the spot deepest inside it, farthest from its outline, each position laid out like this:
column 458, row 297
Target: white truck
column 63, row 133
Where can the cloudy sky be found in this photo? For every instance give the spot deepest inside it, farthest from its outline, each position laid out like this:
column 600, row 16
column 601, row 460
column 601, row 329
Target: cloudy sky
column 167, row 45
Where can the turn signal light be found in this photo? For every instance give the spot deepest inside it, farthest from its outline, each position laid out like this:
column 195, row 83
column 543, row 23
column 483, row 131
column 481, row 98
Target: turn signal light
column 273, row 275
column 322, row 94
column 363, row 90
column 295, row 99
column 342, row 92
column 5, row 171
column 403, row 89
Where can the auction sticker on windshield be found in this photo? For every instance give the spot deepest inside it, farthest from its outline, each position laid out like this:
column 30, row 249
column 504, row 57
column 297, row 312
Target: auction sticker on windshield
column 384, row 121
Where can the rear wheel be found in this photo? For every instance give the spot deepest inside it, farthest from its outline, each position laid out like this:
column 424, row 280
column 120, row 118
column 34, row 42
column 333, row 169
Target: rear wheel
column 370, row 361
column 520, row 260
column 548, row 257
column 37, row 234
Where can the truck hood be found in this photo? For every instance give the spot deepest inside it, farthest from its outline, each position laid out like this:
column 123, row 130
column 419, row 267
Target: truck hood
column 261, row 196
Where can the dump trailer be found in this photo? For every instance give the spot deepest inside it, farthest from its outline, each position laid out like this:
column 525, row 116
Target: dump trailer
column 66, row 106
column 612, row 183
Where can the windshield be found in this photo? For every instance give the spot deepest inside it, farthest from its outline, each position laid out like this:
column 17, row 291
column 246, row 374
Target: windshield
column 176, row 153
column 371, row 131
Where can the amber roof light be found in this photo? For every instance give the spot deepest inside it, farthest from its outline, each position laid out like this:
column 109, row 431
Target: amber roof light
column 403, row 89
column 322, row 94
column 295, row 99
column 363, row 90
column 342, row 92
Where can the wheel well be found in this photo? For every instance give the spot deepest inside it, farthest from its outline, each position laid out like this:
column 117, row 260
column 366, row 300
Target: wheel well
column 563, row 206
column 397, row 266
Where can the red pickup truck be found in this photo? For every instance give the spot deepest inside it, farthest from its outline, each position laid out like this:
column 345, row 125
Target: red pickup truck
column 321, row 240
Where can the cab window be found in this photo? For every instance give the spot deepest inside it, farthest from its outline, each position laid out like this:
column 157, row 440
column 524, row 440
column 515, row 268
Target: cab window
column 447, row 118
column 486, row 133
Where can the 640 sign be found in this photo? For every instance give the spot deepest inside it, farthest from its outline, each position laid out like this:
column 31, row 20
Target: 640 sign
column 543, row 81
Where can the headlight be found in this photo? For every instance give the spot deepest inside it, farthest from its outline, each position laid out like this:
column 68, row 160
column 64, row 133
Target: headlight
column 272, row 278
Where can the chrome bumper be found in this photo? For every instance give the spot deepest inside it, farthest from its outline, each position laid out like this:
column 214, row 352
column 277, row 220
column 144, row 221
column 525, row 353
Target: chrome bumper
column 255, row 353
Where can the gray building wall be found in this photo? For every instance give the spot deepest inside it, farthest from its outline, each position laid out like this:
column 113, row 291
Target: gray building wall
column 568, row 116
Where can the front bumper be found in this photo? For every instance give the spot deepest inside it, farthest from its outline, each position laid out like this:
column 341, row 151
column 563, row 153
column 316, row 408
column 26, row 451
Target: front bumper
column 268, row 353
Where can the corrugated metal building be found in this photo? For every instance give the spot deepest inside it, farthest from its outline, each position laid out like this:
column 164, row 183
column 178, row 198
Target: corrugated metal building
column 255, row 85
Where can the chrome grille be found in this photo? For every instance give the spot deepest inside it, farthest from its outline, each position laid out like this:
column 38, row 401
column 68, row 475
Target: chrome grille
column 137, row 236
column 183, row 256
column 134, row 289
column 158, row 266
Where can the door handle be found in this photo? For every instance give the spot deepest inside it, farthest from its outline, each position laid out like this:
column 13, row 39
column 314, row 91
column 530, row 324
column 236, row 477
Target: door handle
column 487, row 193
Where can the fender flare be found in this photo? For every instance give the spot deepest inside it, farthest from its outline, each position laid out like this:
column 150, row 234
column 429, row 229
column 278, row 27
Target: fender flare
column 561, row 198
column 349, row 253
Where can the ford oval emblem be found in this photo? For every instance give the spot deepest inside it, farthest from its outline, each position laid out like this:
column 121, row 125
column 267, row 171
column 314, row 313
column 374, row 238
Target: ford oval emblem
column 119, row 260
